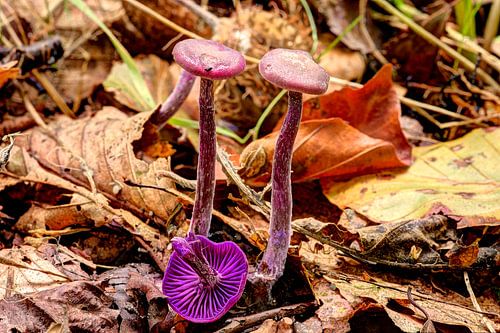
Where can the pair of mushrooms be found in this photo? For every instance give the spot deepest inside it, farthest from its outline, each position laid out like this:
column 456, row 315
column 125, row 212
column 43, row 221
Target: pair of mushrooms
column 203, row 279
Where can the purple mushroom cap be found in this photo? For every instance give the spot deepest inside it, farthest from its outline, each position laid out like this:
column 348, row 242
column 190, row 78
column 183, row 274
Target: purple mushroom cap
column 208, row 59
column 294, row 70
column 203, row 279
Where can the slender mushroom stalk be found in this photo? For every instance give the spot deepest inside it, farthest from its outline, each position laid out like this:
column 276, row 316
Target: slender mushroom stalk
column 297, row 72
column 203, row 279
column 174, row 101
column 211, row 61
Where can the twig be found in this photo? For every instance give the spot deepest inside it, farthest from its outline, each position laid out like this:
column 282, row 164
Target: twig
column 209, row 18
column 490, row 31
column 186, row 183
column 10, row 262
column 53, row 93
column 428, row 326
column 471, row 46
column 475, row 303
column 362, row 26
column 239, row 324
column 469, row 65
column 233, row 175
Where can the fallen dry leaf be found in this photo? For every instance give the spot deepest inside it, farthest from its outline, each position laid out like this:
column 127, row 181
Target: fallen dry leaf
column 335, row 311
column 346, row 133
column 23, row 270
column 405, row 315
column 415, row 55
column 430, row 243
column 105, row 144
column 79, row 306
column 339, row 14
column 156, row 73
column 460, row 178
column 112, row 161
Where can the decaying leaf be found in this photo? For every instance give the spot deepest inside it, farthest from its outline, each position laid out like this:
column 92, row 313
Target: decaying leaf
column 137, row 287
column 459, row 178
column 406, row 316
column 105, row 144
column 335, row 311
column 23, row 270
column 79, row 306
column 102, row 150
column 346, row 133
column 430, row 243
column 339, row 14
column 415, row 55
column 157, row 76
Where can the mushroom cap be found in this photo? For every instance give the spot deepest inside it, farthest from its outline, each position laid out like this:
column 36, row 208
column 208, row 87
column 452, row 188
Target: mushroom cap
column 208, row 59
column 294, row 70
column 185, row 292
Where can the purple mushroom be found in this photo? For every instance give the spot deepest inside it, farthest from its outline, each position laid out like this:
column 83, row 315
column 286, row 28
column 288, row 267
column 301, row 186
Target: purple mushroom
column 211, row 61
column 174, row 101
column 297, row 72
column 203, row 279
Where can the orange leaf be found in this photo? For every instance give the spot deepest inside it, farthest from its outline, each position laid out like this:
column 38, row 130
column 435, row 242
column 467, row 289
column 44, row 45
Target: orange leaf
column 8, row 71
column 345, row 133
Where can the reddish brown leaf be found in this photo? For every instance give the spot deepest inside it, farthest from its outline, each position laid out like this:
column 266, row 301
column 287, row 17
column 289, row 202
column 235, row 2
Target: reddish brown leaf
column 345, row 133
column 8, row 71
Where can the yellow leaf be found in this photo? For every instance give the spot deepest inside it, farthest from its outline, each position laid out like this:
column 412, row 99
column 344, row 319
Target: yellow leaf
column 460, row 178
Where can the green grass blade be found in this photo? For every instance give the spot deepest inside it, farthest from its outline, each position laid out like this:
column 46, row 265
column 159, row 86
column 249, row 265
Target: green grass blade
column 137, row 81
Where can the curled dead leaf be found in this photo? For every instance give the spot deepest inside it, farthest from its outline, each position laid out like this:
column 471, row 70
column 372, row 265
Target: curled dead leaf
column 102, row 146
column 342, row 134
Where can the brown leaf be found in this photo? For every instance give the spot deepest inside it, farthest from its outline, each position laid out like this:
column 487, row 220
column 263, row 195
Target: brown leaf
column 105, row 143
column 82, row 306
column 101, row 147
column 406, row 316
column 339, row 14
column 344, row 133
column 415, row 55
column 24, row 270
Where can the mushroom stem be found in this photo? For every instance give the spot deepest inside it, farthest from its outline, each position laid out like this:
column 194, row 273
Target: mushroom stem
column 205, row 180
column 189, row 249
column 174, row 100
column 273, row 262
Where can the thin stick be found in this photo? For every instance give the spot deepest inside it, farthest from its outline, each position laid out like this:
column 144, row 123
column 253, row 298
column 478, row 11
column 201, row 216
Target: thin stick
column 469, row 65
column 471, row 46
column 475, row 303
column 204, row 14
column 490, row 31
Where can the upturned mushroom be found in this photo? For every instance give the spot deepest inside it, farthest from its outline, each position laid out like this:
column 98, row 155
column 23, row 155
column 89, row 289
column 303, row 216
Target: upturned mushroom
column 211, row 61
column 297, row 72
column 203, row 279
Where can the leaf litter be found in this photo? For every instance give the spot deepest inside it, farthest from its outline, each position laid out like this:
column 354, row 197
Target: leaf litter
column 411, row 216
